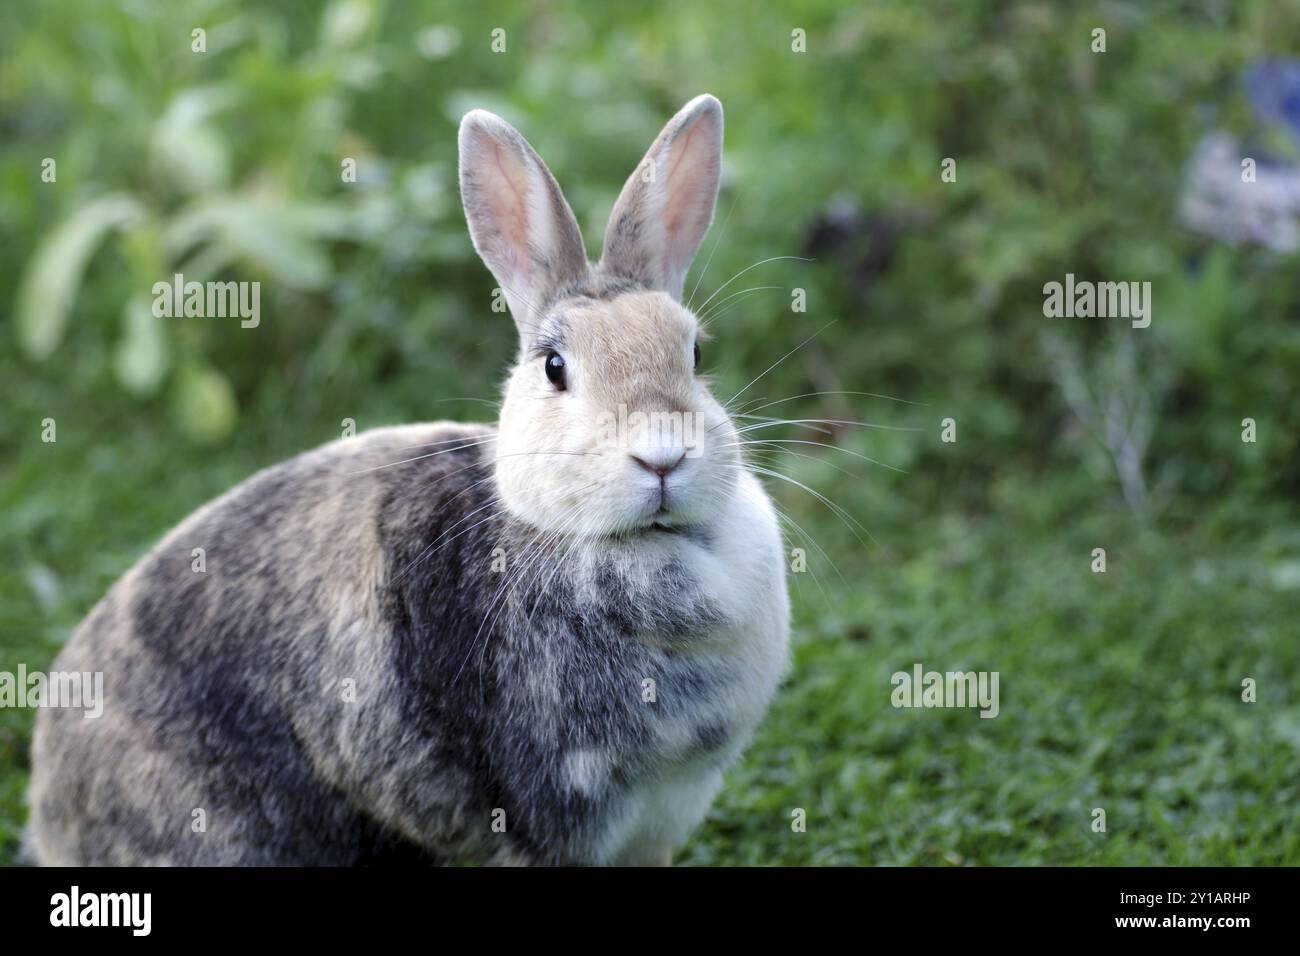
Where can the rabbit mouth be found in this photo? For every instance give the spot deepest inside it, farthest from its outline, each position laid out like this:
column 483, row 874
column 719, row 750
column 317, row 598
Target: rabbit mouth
column 698, row 534
column 654, row 527
column 676, row 530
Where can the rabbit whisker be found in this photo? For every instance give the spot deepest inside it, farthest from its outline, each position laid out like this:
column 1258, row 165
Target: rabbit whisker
column 815, row 444
column 771, row 422
column 502, row 598
column 837, row 510
column 572, row 514
column 778, row 362
column 482, row 401
column 431, row 549
column 716, row 242
column 786, row 523
column 573, row 545
column 431, row 444
column 434, row 454
column 890, row 398
column 746, row 269
column 704, row 316
column 799, row 454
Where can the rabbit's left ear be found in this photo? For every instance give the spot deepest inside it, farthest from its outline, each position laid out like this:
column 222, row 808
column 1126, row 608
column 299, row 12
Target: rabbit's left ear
column 667, row 204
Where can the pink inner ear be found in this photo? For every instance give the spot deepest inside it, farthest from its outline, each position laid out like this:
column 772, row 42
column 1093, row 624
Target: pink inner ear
column 508, row 200
column 688, row 191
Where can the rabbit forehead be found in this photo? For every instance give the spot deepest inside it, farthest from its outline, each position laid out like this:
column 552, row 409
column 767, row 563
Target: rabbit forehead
column 633, row 341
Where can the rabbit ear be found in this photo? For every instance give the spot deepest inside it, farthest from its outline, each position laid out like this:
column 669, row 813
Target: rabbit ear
column 666, row 206
column 519, row 221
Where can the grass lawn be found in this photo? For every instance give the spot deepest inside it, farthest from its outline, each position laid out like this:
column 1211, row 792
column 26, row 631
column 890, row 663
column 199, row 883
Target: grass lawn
column 1119, row 691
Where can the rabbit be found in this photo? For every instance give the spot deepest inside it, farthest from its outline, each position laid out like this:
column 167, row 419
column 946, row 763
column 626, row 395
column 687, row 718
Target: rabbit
column 539, row 643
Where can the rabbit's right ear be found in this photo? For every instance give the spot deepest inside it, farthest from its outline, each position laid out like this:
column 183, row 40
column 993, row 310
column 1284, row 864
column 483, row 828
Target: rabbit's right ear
column 519, row 220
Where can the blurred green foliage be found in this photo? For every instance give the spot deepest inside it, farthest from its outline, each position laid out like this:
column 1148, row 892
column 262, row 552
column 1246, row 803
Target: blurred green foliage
column 227, row 164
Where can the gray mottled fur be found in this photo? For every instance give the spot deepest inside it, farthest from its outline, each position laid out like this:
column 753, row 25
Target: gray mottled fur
column 224, row 689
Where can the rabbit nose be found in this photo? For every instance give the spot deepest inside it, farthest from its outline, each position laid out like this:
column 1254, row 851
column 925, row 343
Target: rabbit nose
column 660, row 463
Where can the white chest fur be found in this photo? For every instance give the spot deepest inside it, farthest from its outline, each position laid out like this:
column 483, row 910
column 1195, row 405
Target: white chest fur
column 743, row 570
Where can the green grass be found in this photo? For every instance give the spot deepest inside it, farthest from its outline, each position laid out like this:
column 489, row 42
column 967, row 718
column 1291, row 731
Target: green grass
column 1120, row 691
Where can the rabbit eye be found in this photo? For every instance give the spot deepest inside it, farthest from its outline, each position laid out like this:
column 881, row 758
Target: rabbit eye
column 697, row 356
column 555, row 371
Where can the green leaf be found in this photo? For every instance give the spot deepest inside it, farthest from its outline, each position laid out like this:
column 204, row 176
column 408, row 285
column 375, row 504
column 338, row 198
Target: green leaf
column 204, row 403
column 346, row 23
column 276, row 236
column 186, row 147
column 53, row 277
column 142, row 356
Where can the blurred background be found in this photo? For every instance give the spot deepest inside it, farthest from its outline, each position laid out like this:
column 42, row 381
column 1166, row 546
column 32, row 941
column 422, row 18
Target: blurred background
column 1120, row 690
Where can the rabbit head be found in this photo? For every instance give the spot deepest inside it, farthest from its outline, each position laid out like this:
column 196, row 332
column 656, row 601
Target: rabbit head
column 606, row 427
